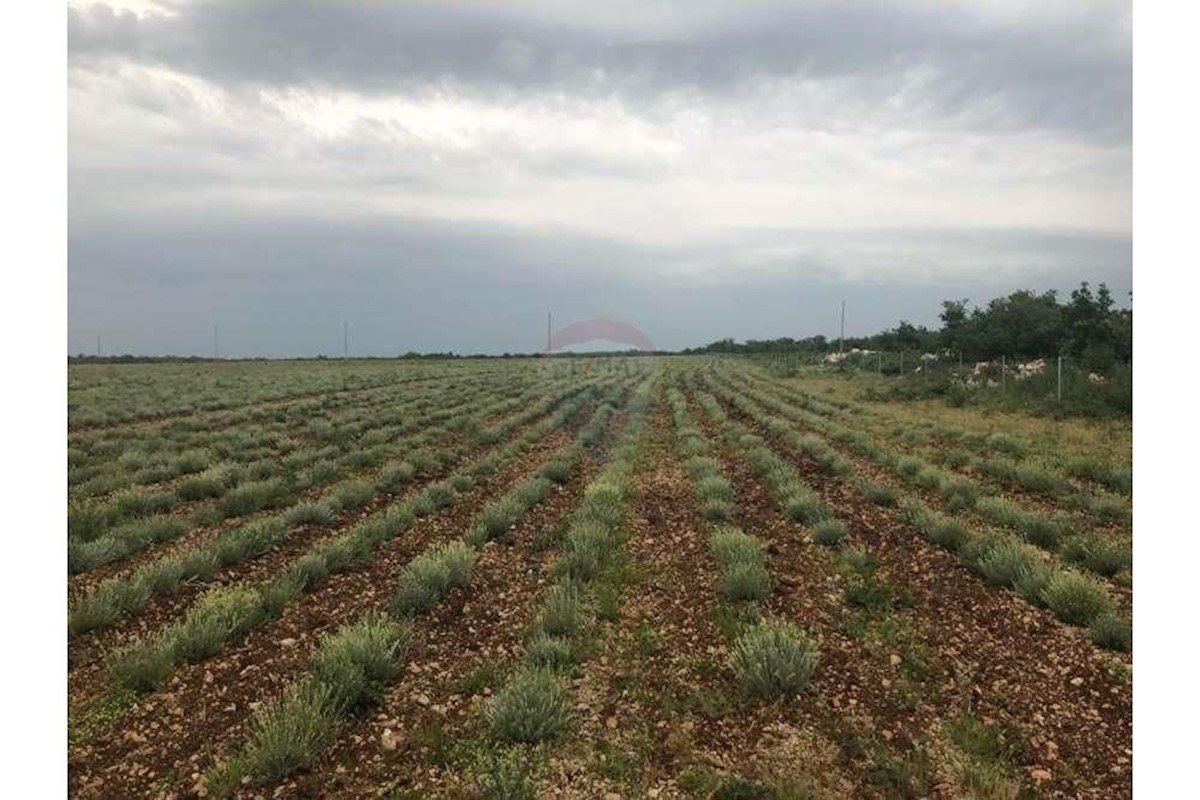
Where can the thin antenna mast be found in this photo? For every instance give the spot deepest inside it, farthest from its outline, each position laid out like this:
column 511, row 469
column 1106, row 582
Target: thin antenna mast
column 345, row 339
column 842, row 339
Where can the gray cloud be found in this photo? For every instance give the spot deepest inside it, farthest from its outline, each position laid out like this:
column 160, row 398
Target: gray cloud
column 947, row 62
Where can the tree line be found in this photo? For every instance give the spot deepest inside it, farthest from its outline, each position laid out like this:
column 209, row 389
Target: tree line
column 1024, row 324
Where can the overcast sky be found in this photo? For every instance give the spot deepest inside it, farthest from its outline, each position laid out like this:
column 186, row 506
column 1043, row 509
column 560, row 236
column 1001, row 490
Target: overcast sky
column 443, row 174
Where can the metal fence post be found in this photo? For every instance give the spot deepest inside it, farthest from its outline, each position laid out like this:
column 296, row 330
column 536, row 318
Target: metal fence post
column 1003, row 374
column 1060, row 378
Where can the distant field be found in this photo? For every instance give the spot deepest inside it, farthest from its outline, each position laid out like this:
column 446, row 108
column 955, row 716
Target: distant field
column 589, row 577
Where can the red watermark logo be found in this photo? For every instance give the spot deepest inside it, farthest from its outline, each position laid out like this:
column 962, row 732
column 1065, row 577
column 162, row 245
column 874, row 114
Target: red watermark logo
column 590, row 330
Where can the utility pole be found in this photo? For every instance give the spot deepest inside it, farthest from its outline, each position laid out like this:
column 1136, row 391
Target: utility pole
column 842, row 338
column 216, row 350
column 1060, row 378
column 98, row 344
column 345, row 339
column 549, row 316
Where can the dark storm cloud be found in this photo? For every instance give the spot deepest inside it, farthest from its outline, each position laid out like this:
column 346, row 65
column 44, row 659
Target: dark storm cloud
column 480, row 287
column 933, row 60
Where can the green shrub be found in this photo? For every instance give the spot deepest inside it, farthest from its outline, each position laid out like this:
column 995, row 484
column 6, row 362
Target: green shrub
column 494, row 520
column 200, row 564
column 200, row 487
column 280, row 593
column 744, row 581
column 311, row 570
column 865, row 594
column 287, row 735
column 829, row 532
column 1007, row 562
column 430, row 575
column 1032, row 582
column 504, row 774
column 461, row 483
column 425, row 463
column 532, row 707
column 730, row 545
column 551, row 652
column 713, row 487
column 350, row 495
column 364, row 458
column 717, row 510
column 141, row 667
column 309, row 513
column 1004, row 443
column 806, row 508
column 1075, row 598
column 138, row 502
column 938, row 529
column 1112, row 632
column 247, row 541
column 773, row 658
column 85, row 522
column 877, row 493
column 699, row 466
column 586, row 549
column 252, row 496
column 532, row 492
column 394, row 475
column 1037, row 528
column 220, row 616
column 1100, row 554
column 320, row 473
column 422, row 505
column 858, row 560
column 345, row 551
column 1117, row 478
column 562, row 612
column 604, row 503
column 358, row 662
column 557, row 470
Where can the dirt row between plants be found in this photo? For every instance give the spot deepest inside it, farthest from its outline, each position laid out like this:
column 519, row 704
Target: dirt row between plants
column 1034, row 501
column 1018, row 665
column 86, row 648
column 659, row 709
column 301, row 436
column 203, row 708
column 185, row 509
column 852, row 700
column 414, row 741
column 868, row 468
